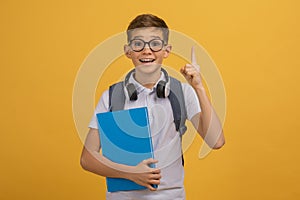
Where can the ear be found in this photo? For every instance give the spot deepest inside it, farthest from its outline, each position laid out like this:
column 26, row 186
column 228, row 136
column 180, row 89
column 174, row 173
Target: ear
column 167, row 51
column 127, row 51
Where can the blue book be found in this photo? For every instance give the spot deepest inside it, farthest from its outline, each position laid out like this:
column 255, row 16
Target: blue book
column 125, row 138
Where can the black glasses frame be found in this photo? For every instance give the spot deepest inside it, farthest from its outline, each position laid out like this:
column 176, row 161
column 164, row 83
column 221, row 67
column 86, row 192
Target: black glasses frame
column 163, row 44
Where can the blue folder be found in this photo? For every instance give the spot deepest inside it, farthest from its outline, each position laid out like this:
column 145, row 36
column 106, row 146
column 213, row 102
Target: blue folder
column 125, row 138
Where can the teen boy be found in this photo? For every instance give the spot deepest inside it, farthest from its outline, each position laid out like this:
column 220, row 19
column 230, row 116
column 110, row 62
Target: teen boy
column 147, row 48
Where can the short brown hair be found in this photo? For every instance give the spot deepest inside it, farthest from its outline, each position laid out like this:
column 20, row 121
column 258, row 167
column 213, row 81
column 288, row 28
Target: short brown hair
column 148, row 20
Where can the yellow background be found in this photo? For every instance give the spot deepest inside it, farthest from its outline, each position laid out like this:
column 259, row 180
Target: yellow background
column 255, row 45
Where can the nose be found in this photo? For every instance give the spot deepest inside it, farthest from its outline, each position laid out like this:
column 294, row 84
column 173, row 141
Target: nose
column 147, row 48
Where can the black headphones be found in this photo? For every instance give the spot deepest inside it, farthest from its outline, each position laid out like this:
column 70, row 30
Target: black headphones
column 162, row 88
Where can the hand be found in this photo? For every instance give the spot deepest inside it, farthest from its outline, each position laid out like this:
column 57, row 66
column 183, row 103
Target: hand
column 146, row 176
column 191, row 72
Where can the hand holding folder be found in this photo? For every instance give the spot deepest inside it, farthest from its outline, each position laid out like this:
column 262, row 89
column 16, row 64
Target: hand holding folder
column 125, row 139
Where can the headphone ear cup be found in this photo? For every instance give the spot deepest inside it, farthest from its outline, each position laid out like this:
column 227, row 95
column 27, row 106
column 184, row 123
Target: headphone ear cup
column 160, row 89
column 167, row 89
column 132, row 92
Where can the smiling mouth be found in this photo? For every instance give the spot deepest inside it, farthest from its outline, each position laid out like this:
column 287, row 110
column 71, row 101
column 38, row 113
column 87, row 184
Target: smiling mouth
column 146, row 60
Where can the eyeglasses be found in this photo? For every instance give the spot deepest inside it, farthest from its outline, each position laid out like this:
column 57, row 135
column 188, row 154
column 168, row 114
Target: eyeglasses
column 138, row 45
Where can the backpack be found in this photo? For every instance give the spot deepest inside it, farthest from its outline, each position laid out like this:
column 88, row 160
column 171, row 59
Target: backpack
column 117, row 101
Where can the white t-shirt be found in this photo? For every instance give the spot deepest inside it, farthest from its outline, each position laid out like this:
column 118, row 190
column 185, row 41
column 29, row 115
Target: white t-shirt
column 166, row 140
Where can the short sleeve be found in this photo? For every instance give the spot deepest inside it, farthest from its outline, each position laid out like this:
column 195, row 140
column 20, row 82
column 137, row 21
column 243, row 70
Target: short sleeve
column 191, row 101
column 102, row 106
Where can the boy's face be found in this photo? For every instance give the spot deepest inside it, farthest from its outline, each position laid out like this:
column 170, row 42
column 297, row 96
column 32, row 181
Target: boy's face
column 146, row 59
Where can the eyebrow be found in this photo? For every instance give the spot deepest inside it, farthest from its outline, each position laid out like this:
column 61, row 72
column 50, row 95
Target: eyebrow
column 140, row 37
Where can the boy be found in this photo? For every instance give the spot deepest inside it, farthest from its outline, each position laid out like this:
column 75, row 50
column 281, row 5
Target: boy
column 147, row 48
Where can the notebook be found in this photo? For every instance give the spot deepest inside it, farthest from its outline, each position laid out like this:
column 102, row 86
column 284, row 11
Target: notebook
column 125, row 138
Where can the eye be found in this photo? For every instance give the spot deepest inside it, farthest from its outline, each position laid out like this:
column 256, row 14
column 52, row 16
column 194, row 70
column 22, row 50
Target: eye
column 156, row 43
column 137, row 43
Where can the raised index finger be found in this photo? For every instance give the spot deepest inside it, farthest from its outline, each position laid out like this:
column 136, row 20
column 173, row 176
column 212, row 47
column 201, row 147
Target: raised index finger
column 193, row 57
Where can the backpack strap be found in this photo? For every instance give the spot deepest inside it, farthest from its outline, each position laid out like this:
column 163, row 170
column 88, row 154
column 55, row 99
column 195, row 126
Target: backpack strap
column 116, row 97
column 178, row 105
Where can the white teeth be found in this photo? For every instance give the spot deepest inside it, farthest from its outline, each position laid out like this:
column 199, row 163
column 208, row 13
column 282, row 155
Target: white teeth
column 146, row 60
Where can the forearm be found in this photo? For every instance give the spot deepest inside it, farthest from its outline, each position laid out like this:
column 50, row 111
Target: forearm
column 209, row 125
column 206, row 122
column 141, row 174
column 94, row 162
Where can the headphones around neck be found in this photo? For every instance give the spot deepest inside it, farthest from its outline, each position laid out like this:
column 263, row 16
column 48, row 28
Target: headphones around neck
column 162, row 88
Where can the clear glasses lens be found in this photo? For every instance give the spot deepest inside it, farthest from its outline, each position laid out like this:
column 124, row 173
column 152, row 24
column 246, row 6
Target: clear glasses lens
column 138, row 45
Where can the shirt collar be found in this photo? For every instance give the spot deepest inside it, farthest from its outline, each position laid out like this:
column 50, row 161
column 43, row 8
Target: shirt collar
column 140, row 88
